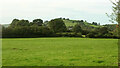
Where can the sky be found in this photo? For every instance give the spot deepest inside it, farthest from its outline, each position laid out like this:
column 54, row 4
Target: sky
column 89, row 10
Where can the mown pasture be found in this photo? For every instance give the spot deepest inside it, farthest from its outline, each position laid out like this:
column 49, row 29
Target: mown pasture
column 59, row 52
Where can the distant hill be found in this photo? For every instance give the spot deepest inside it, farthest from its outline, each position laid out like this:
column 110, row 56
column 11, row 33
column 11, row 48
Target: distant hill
column 84, row 24
column 5, row 25
column 74, row 22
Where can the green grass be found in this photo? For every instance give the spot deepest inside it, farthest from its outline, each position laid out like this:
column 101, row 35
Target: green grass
column 69, row 23
column 86, row 23
column 95, row 26
column 60, row 52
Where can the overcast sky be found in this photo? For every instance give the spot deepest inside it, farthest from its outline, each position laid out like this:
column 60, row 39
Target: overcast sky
column 90, row 10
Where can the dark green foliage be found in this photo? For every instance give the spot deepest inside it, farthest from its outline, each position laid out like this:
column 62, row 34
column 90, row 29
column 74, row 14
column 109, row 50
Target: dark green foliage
column 22, row 23
column 94, row 23
column 101, row 33
column 26, row 31
column 103, row 30
column 7, row 32
column 14, row 22
column 111, row 27
column 81, row 21
column 85, row 32
column 67, row 19
column 57, row 25
column 71, row 34
column 77, row 28
column 37, row 22
column 17, row 22
column 92, row 34
column 1, row 30
column 45, row 23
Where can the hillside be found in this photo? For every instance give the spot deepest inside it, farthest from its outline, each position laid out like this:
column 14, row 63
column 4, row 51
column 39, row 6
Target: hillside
column 74, row 22
column 69, row 23
column 5, row 25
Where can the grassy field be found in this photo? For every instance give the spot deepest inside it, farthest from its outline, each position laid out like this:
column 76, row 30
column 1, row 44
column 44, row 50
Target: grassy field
column 60, row 52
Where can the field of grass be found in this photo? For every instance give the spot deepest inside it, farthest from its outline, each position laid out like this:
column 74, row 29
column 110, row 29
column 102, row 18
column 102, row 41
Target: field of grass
column 60, row 52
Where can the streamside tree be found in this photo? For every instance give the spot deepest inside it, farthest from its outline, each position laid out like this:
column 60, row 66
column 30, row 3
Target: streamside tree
column 57, row 25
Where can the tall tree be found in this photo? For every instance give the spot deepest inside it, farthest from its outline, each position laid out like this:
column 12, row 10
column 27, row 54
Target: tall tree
column 14, row 22
column 57, row 25
column 17, row 22
column 22, row 23
column 115, row 15
column 103, row 30
column 38, row 22
column 77, row 28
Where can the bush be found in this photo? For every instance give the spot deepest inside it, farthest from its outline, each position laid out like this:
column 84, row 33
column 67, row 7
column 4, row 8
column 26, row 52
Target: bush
column 78, row 35
column 90, row 35
column 69, row 34
column 77, row 28
column 25, row 31
column 85, row 32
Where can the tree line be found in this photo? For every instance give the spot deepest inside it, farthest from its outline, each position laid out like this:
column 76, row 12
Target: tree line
column 53, row 28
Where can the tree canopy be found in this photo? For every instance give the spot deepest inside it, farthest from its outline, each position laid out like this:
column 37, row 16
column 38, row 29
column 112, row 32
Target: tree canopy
column 38, row 22
column 77, row 28
column 57, row 25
